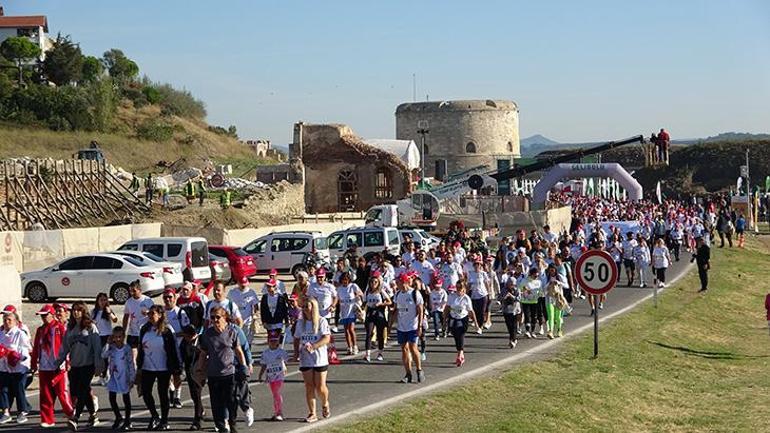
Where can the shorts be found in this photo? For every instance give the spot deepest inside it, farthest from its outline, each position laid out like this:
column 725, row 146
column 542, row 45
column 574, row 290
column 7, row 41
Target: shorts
column 132, row 341
column 629, row 264
column 406, row 337
column 316, row 369
column 347, row 321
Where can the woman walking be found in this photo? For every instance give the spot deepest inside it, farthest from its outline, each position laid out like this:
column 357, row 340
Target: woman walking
column 14, row 367
column 314, row 334
column 377, row 301
column 479, row 281
column 156, row 360
column 104, row 319
column 83, row 345
column 458, row 310
column 661, row 258
column 642, row 258
column 349, row 296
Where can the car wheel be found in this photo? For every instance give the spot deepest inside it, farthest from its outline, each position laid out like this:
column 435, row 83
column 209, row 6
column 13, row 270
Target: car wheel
column 297, row 269
column 36, row 292
column 119, row 293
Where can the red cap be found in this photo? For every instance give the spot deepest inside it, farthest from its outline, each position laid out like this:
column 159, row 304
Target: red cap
column 271, row 282
column 46, row 309
column 9, row 309
column 405, row 277
column 169, row 291
column 451, row 288
column 321, row 272
column 273, row 271
column 376, row 274
column 244, row 280
column 457, row 243
column 56, row 306
column 438, row 281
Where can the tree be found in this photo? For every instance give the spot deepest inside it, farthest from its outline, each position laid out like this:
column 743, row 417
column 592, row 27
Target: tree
column 92, row 69
column 20, row 50
column 63, row 64
column 120, row 67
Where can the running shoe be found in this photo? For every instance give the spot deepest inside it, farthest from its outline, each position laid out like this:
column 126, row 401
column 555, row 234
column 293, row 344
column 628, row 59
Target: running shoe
column 560, row 333
column 528, row 334
column 278, row 417
column 355, row 350
column 542, row 331
column 177, row 403
column 118, row 422
column 249, row 417
column 436, row 338
column 420, row 376
column 510, row 344
column 478, row 331
column 601, row 305
column 380, row 357
column 334, row 329
column 22, row 418
column 407, row 378
column 93, row 421
column 550, row 336
column 367, row 358
column 514, row 342
column 423, row 357
column 72, row 424
column 487, row 325
column 6, row 418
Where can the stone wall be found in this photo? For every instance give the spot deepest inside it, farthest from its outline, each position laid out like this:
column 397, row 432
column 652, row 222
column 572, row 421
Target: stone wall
column 492, row 127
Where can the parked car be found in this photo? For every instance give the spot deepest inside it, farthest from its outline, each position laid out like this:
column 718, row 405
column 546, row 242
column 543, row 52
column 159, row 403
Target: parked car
column 241, row 263
column 368, row 241
column 87, row 275
column 286, row 251
column 172, row 272
column 191, row 252
column 220, row 268
column 425, row 239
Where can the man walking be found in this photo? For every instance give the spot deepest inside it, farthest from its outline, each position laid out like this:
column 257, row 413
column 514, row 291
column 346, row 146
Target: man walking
column 702, row 258
column 409, row 310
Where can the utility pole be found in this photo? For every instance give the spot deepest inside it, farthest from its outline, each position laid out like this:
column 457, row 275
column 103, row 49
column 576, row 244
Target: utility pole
column 749, row 203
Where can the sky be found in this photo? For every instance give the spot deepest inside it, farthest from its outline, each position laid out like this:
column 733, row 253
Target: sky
column 579, row 71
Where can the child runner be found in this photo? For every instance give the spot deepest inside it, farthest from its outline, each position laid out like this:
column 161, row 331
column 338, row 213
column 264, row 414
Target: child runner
column 438, row 301
column 104, row 318
column 122, row 376
column 273, row 361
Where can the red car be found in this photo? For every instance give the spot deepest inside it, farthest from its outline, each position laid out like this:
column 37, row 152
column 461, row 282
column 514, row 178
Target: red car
column 241, row 263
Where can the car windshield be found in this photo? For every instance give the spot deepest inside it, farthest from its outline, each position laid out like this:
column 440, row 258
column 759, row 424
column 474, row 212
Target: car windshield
column 134, row 261
column 240, row 252
column 320, row 243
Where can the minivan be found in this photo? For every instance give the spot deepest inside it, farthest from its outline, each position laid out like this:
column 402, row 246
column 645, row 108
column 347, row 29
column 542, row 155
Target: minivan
column 368, row 241
column 286, row 251
column 191, row 252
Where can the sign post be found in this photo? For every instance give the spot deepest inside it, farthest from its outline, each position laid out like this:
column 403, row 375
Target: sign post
column 597, row 274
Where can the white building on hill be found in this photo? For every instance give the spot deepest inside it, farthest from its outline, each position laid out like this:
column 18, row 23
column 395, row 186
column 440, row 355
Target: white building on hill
column 34, row 27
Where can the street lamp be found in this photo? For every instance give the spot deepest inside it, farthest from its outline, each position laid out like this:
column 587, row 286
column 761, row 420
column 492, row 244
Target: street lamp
column 423, row 131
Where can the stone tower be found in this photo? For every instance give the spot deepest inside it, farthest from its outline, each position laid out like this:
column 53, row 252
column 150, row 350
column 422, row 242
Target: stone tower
column 465, row 134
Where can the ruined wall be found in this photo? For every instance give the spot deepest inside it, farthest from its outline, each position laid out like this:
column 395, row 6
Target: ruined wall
column 328, row 150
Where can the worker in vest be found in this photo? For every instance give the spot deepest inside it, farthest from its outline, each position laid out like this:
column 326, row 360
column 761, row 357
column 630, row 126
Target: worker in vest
column 201, row 192
column 224, row 199
column 189, row 190
column 149, row 188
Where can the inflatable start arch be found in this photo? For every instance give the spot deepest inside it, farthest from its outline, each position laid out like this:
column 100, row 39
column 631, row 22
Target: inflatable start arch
column 572, row 171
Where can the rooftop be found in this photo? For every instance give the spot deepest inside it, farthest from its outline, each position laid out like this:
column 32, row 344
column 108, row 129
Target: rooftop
column 23, row 22
column 459, row 105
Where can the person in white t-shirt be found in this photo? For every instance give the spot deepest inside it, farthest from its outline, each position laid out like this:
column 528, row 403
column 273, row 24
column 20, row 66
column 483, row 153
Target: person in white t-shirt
column 478, row 281
column 273, row 361
column 349, row 299
column 280, row 287
column 423, row 267
column 135, row 314
column 248, row 305
column 438, row 301
column 219, row 300
column 324, row 293
column 457, row 312
column 661, row 259
column 104, row 318
column 176, row 320
column 408, row 313
column 314, row 335
column 629, row 243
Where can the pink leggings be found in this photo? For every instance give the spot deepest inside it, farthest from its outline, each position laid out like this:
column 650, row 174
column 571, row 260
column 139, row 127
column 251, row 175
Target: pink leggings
column 275, row 388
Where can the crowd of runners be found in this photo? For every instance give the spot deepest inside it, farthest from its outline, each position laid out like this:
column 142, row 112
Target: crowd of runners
column 204, row 335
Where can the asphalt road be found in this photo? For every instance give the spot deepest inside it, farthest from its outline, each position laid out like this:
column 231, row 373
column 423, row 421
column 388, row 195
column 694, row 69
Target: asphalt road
column 358, row 388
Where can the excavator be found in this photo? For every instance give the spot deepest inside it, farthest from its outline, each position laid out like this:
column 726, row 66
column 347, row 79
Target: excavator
column 423, row 207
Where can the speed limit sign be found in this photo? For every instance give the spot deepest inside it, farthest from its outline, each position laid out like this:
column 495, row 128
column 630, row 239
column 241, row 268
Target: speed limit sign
column 596, row 272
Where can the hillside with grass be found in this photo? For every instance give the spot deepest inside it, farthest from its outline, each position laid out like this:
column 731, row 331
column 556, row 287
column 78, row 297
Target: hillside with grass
column 54, row 108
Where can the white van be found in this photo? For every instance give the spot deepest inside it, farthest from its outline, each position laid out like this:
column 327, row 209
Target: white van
column 286, row 251
column 368, row 241
column 191, row 252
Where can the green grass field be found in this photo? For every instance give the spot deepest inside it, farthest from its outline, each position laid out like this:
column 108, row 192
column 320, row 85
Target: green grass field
column 697, row 363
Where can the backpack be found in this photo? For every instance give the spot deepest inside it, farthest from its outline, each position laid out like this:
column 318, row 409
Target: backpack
column 194, row 312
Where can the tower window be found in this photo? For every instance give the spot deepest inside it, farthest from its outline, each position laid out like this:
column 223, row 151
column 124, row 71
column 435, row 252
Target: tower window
column 470, row 147
column 510, row 147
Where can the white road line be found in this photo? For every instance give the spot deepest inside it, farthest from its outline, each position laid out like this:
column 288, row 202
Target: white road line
column 478, row 371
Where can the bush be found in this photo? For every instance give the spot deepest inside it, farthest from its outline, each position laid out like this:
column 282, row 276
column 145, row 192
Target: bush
column 155, row 130
column 152, row 95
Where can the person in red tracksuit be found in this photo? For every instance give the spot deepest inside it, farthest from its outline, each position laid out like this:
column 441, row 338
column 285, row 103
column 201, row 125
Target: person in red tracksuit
column 767, row 307
column 53, row 379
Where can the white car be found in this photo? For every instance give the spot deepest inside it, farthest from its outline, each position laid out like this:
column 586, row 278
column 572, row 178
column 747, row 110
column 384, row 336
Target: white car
column 191, row 252
column 172, row 272
column 286, row 251
column 425, row 239
column 85, row 276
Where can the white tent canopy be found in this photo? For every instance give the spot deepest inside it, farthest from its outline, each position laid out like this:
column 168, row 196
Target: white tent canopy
column 406, row 150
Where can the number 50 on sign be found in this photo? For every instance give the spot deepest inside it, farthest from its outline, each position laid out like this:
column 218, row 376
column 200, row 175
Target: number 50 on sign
column 596, row 272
